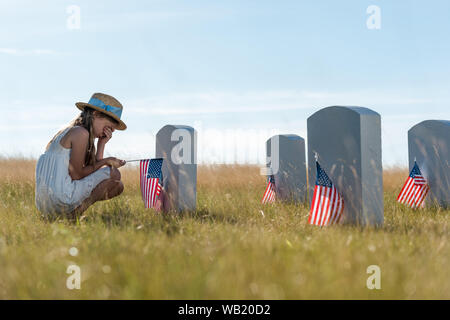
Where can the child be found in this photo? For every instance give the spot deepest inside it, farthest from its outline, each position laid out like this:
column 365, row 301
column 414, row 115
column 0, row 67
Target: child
column 72, row 175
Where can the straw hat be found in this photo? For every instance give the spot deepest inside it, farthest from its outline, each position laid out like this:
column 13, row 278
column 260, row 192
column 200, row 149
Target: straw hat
column 106, row 104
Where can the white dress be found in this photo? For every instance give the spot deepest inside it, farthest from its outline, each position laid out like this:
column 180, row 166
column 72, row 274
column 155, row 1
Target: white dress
column 56, row 192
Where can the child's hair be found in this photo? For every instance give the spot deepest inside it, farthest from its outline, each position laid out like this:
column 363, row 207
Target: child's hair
column 85, row 120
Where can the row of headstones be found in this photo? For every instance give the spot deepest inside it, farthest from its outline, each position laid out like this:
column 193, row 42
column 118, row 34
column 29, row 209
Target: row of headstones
column 347, row 141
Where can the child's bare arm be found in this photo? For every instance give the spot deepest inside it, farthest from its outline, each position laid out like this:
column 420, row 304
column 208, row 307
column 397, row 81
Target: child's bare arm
column 79, row 141
column 77, row 170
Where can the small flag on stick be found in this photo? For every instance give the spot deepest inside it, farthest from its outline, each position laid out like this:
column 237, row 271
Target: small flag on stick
column 415, row 189
column 151, row 180
column 327, row 204
column 269, row 194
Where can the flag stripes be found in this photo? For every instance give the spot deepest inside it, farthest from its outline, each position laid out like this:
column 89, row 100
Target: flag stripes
column 150, row 180
column 327, row 204
column 414, row 190
column 269, row 194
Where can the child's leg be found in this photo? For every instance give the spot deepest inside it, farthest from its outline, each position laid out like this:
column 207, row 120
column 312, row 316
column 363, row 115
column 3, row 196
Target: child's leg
column 105, row 190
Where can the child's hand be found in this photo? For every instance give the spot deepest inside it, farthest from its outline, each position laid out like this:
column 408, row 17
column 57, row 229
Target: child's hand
column 107, row 135
column 114, row 162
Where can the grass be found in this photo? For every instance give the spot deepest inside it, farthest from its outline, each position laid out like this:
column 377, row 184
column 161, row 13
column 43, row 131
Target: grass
column 227, row 249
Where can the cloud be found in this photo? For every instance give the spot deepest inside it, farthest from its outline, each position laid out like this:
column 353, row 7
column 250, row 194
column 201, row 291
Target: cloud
column 265, row 101
column 222, row 139
column 107, row 22
column 21, row 52
column 8, row 51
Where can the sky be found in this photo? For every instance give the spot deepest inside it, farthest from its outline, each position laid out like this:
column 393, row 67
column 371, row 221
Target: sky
column 237, row 71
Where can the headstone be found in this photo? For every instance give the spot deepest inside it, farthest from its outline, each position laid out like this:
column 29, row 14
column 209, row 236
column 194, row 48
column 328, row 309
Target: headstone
column 288, row 165
column 429, row 143
column 177, row 144
column 348, row 143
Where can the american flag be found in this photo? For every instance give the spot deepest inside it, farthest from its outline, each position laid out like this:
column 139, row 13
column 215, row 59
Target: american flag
column 151, row 180
column 327, row 204
column 415, row 189
column 269, row 194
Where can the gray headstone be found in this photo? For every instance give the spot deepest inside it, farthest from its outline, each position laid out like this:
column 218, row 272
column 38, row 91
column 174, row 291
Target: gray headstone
column 288, row 165
column 429, row 143
column 178, row 146
column 348, row 143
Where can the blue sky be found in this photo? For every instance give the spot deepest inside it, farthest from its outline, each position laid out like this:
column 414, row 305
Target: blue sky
column 239, row 71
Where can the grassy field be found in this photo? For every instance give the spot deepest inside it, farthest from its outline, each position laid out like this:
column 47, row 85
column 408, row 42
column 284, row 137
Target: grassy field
column 228, row 249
